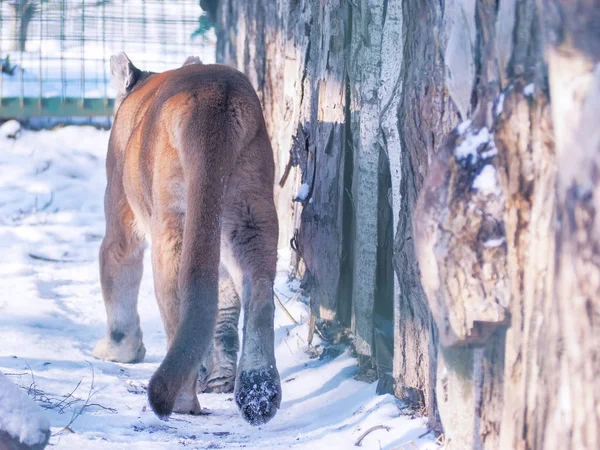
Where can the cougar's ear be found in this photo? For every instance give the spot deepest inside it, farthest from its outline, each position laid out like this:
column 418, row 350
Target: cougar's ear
column 192, row 60
column 124, row 73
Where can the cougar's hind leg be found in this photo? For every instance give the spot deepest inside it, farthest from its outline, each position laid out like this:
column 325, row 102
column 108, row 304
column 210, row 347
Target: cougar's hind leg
column 121, row 266
column 250, row 229
column 217, row 371
column 167, row 240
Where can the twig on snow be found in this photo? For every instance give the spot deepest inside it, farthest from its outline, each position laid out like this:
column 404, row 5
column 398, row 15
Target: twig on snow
column 46, row 205
column 287, row 313
column 320, row 334
column 312, row 324
column 69, row 395
column 358, row 442
column 441, row 440
column 48, row 259
column 78, row 413
column 288, row 346
column 32, row 385
column 426, row 433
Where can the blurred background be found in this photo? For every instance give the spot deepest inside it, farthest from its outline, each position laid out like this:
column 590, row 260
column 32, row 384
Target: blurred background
column 55, row 53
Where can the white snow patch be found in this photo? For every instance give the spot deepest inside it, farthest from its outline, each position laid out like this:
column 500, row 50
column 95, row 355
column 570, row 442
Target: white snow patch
column 486, row 182
column 463, row 126
column 468, row 147
column 51, row 204
column 20, row 417
column 10, row 129
column 564, row 396
column 490, row 243
column 500, row 104
column 529, row 89
column 303, row 192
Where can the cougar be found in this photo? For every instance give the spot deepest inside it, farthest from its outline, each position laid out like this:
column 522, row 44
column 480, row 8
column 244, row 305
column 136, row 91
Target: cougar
column 190, row 167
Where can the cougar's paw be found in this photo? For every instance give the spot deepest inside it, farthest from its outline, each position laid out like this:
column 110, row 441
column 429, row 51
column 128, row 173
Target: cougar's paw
column 218, row 386
column 219, row 380
column 258, row 394
column 119, row 347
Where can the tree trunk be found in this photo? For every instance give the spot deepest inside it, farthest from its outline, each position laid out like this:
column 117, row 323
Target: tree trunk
column 571, row 329
column 317, row 67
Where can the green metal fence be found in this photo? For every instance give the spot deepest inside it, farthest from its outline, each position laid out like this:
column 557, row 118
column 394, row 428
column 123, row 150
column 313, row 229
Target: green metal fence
column 55, row 54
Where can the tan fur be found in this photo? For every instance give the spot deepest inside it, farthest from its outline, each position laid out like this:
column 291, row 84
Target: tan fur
column 190, row 164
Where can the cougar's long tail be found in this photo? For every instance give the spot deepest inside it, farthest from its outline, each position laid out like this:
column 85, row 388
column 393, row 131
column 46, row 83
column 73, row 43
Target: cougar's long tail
column 207, row 156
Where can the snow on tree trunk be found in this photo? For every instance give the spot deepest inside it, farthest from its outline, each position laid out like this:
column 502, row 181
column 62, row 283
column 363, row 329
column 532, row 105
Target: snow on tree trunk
column 23, row 425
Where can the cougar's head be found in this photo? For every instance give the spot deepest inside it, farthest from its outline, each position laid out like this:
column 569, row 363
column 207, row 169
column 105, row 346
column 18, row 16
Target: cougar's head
column 125, row 76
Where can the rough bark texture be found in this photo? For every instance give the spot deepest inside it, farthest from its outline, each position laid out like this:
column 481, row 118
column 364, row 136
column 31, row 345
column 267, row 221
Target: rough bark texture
column 485, row 240
column 571, row 327
column 330, row 76
column 293, row 52
column 526, row 151
column 433, row 119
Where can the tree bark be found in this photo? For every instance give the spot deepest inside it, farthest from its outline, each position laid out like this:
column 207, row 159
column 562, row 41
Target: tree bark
column 571, row 388
column 317, row 67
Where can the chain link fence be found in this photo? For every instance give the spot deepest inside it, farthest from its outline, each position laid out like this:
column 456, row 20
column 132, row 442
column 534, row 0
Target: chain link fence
column 55, row 53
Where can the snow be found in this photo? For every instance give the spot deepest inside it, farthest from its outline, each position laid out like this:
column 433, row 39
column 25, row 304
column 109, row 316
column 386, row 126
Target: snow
column 20, row 417
column 486, row 182
column 468, row 147
column 52, row 314
column 529, row 89
column 500, row 104
column 463, row 126
column 303, row 192
column 10, row 129
column 490, row 243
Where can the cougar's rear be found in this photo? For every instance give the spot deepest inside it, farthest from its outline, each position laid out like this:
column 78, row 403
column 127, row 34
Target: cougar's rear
column 191, row 166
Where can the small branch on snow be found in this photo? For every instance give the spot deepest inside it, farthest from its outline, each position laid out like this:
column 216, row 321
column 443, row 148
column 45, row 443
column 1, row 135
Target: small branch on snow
column 85, row 405
column 46, row 205
column 105, row 408
column 54, row 260
column 320, row 334
column 312, row 325
column 288, row 346
column 76, row 414
column 426, row 433
column 32, row 385
column 358, row 442
column 69, row 395
column 287, row 313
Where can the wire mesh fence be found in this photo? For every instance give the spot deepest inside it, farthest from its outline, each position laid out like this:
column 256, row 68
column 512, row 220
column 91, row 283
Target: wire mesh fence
column 55, row 53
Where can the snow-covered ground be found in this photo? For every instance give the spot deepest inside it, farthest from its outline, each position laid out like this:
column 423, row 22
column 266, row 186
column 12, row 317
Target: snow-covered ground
column 51, row 315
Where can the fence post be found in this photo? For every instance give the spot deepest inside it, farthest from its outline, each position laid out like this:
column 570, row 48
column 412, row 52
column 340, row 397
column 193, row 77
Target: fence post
column 22, row 13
